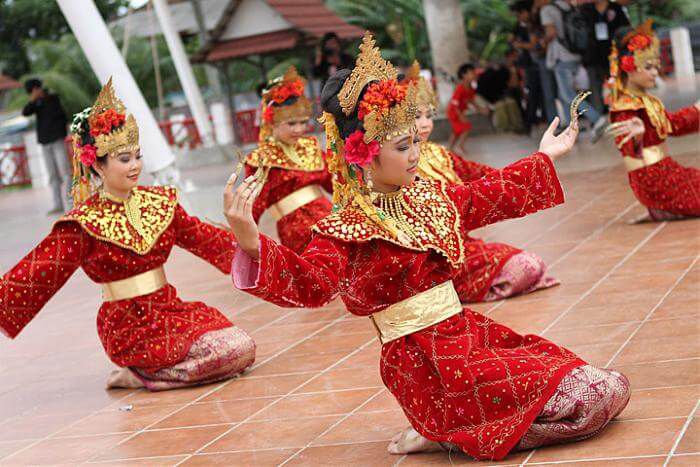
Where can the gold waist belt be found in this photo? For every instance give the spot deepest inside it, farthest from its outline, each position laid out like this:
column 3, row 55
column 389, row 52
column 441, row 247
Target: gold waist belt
column 650, row 156
column 134, row 286
column 418, row 312
column 295, row 200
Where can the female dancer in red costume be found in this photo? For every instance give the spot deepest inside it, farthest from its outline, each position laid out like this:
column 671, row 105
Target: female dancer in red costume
column 122, row 237
column 291, row 164
column 388, row 251
column 641, row 125
column 491, row 271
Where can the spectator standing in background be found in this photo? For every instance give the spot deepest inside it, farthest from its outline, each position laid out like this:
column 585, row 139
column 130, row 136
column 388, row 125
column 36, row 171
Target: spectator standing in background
column 526, row 43
column 556, row 18
column 547, row 82
column 51, row 132
column 330, row 58
column 604, row 18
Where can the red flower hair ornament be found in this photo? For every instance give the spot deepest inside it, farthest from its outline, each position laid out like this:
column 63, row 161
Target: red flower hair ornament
column 358, row 152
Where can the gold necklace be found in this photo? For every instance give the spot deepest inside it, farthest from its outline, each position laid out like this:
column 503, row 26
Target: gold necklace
column 132, row 210
column 393, row 206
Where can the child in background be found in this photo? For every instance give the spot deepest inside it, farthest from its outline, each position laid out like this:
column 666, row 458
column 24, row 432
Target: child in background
column 462, row 98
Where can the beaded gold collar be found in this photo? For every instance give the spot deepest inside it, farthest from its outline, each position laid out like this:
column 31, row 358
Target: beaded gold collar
column 629, row 100
column 436, row 163
column 426, row 217
column 306, row 155
column 134, row 224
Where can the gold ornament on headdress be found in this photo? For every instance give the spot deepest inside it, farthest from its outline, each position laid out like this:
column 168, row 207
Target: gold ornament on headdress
column 123, row 139
column 425, row 95
column 397, row 120
column 651, row 53
column 299, row 110
column 369, row 66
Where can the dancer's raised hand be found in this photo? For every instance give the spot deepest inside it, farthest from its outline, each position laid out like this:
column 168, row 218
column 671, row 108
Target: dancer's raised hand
column 557, row 146
column 238, row 209
column 632, row 128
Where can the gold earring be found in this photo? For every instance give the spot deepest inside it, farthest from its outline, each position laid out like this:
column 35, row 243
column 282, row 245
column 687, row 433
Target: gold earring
column 370, row 186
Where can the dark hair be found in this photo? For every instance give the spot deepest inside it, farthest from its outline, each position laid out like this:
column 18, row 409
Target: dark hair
column 464, row 68
column 347, row 125
column 521, row 5
column 31, row 84
column 260, row 88
column 290, row 101
column 329, row 36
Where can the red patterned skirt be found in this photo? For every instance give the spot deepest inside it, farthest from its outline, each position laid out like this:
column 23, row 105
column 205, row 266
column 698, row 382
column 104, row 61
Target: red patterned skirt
column 474, row 383
column 294, row 229
column 668, row 186
column 215, row 356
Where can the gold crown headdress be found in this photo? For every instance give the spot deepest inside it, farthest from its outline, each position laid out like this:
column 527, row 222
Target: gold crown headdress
column 425, row 95
column 98, row 131
column 369, row 66
column 290, row 85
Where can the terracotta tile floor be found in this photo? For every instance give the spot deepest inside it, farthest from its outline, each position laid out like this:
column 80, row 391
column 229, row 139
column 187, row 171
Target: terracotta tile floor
column 629, row 299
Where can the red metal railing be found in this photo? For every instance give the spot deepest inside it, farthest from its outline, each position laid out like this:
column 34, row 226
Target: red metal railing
column 14, row 167
column 666, row 56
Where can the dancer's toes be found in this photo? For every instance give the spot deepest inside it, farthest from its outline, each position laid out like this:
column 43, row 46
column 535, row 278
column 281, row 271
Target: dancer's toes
column 123, row 378
column 410, row 441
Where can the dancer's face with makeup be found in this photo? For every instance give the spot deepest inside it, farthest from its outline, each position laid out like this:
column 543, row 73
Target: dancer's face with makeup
column 424, row 121
column 644, row 78
column 397, row 163
column 120, row 173
column 289, row 132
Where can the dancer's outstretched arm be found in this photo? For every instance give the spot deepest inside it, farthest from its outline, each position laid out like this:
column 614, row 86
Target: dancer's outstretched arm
column 276, row 273
column 524, row 187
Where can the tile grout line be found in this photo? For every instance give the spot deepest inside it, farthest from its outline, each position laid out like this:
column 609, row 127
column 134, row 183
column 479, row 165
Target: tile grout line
column 605, row 276
column 678, row 280
column 327, row 430
column 593, row 459
column 213, row 390
column 593, row 287
column 568, row 253
column 681, row 434
column 330, row 367
column 40, row 440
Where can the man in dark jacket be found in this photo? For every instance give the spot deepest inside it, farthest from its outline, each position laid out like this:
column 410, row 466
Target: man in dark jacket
column 604, row 18
column 51, row 132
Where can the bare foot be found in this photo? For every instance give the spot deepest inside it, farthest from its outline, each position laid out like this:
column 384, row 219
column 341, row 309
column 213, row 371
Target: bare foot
column 123, row 378
column 641, row 219
column 410, row 441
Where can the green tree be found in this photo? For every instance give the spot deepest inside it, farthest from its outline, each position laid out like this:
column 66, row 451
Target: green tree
column 24, row 21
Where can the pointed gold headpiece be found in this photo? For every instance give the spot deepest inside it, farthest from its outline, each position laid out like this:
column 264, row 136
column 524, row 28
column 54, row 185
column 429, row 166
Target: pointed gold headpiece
column 369, row 66
column 424, row 91
column 122, row 139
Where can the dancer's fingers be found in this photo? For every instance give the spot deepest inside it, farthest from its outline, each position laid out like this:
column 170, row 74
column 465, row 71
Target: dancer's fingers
column 624, row 140
column 552, row 126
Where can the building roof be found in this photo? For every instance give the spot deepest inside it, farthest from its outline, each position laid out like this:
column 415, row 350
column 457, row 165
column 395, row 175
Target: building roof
column 7, row 83
column 265, row 26
column 143, row 22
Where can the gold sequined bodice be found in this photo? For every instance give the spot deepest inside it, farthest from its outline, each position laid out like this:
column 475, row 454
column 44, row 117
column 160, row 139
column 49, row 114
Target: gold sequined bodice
column 305, row 155
column 425, row 216
column 135, row 223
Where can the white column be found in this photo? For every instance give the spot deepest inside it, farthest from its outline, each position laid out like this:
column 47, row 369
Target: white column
column 683, row 66
column 184, row 72
column 94, row 38
column 448, row 42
